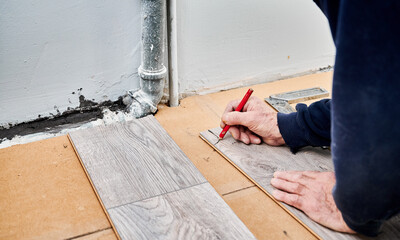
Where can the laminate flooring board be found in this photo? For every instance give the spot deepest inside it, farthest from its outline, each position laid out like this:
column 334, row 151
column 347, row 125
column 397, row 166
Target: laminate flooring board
column 128, row 162
column 197, row 212
column 148, row 186
column 259, row 162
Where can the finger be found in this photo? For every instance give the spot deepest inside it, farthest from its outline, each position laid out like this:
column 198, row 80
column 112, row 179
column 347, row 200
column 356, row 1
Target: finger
column 252, row 101
column 231, row 106
column 234, row 131
column 288, row 198
column 311, row 174
column 222, row 124
column 254, row 139
column 243, row 135
column 289, row 187
column 293, row 176
column 238, row 118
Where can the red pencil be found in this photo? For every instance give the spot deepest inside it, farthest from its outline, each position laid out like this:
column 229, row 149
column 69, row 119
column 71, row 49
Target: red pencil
column 238, row 109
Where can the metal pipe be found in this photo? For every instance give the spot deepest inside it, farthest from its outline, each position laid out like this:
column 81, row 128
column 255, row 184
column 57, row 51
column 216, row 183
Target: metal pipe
column 173, row 55
column 152, row 71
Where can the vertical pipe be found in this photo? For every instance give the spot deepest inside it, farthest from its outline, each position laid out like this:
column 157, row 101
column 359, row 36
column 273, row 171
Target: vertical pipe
column 152, row 71
column 173, row 55
column 152, row 35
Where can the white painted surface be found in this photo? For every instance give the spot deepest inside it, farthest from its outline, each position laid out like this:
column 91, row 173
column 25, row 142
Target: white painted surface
column 231, row 43
column 49, row 49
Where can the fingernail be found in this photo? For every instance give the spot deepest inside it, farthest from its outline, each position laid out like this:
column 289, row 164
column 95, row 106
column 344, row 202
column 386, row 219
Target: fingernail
column 225, row 118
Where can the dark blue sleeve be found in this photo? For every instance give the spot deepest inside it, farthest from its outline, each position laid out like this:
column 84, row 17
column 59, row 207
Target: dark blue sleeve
column 365, row 110
column 309, row 126
column 366, row 113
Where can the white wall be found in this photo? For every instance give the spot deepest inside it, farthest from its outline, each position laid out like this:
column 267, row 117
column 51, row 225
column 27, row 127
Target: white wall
column 49, row 49
column 230, row 43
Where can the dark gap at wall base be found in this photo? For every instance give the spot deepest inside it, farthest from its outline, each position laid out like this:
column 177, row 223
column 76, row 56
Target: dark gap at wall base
column 84, row 113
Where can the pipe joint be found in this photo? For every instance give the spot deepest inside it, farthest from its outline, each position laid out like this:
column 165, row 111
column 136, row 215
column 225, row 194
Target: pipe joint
column 152, row 75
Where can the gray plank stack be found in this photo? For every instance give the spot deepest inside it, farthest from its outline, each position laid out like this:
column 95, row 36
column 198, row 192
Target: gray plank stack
column 148, row 186
column 259, row 162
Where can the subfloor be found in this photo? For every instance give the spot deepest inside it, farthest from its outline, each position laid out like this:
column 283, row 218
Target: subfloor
column 45, row 193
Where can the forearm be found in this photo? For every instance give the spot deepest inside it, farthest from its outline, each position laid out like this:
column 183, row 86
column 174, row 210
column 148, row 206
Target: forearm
column 309, row 126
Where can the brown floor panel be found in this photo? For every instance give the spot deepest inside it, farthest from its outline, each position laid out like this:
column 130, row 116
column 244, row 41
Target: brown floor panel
column 107, row 234
column 263, row 217
column 45, row 193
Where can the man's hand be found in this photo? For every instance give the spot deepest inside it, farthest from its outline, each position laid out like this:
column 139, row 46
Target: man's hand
column 311, row 192
column 257, row 122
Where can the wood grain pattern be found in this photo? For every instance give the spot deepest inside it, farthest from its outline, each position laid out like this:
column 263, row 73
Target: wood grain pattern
column 133, row 161
column 259, row 162
column 192, row 213
column 148, row 186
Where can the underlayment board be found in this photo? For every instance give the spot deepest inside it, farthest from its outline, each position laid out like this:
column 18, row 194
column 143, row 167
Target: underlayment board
column 259, row 162
column 136, row 165
column 45, row 194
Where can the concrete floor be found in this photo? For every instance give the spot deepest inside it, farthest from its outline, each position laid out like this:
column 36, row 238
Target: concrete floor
column 46, row 193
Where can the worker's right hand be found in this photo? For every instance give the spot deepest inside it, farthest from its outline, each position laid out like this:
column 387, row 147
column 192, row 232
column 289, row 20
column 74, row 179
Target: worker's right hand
column 256, row 123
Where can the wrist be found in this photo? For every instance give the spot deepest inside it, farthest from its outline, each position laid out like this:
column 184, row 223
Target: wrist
column 274, row 137
column 276, row 132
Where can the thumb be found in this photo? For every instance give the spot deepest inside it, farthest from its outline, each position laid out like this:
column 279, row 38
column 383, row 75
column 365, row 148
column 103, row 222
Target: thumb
column 238, row 118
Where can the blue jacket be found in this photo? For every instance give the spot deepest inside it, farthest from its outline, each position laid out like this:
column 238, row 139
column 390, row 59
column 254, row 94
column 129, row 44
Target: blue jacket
column 362, row 121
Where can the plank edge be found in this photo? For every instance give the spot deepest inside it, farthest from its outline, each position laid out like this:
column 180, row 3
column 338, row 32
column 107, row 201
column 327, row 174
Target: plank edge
column 94, row 188
column 261, row 188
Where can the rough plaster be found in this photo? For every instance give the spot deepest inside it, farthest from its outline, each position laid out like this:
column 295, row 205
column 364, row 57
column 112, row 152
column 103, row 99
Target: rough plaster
column 231, row 43
column 51, row 52
column 109, row 117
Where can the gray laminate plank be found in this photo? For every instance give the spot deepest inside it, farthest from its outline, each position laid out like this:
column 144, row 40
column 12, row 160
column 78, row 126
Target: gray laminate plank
column 259, row 162
column 131, row 161
column 197, row 212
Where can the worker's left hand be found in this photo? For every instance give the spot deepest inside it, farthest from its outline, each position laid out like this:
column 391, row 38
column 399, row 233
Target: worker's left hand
column 310, row 192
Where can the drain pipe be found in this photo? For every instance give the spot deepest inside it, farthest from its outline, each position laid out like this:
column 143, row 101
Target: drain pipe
column 173, row 55
column 152, row 71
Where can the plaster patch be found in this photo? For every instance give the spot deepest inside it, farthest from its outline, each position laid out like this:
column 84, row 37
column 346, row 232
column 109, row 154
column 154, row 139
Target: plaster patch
column 109, row 117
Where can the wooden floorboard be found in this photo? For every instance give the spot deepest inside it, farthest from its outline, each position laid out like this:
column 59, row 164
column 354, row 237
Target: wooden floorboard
column 148, row 186
column 192, row 213
column 259, row 162
column 132, row 161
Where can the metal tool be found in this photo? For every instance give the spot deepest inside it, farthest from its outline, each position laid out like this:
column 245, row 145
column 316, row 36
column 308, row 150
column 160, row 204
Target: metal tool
column 280, row 102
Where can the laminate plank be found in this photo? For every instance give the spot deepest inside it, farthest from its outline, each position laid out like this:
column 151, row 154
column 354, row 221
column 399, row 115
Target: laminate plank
column 197, row 212
column 259, row 162
column 128, row 162
column 148, row 186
